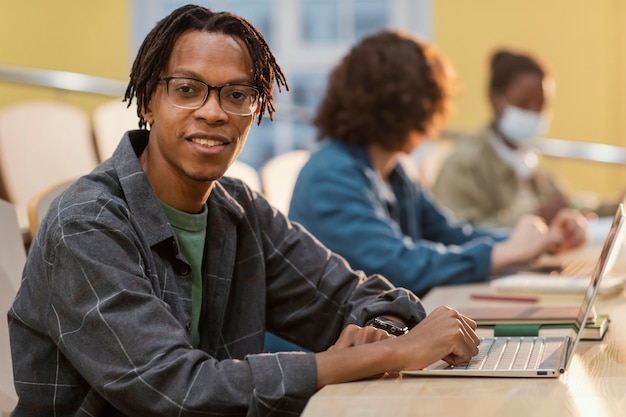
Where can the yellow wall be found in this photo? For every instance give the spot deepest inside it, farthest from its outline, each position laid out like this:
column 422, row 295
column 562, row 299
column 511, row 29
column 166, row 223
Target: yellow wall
column 584, row 44
column 89, row 37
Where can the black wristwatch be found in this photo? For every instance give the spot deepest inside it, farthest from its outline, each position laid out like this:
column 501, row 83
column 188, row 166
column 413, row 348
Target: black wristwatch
column 389, row 326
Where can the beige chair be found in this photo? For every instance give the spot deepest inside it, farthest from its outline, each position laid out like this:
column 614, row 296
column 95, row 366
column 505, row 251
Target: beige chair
column 278, row 177
column 12, row 251
column 428, row 159
column 42, row 143
column 246, row 173
column 110, row 120
column 39, row 204
column 12, row 259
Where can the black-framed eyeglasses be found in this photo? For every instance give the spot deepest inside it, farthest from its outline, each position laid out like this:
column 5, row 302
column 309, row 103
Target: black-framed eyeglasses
column 189, row 93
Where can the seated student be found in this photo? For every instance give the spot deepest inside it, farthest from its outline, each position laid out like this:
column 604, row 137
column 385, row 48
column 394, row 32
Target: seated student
column 384, row 97
column 493, row 176
column 152, row 280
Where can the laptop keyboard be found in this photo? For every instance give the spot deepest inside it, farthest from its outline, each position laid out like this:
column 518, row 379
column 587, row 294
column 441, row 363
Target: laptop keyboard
column 504, row 353
column 578, row 268
column 568, row 269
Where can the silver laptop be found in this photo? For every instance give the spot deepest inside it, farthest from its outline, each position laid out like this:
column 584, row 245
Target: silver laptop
column 536, row 356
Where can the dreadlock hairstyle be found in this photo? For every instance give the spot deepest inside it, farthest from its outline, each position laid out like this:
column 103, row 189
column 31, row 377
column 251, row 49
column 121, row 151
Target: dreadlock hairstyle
column 156, row 49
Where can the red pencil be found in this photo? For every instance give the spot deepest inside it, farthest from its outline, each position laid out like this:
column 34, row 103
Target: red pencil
column 497, row 297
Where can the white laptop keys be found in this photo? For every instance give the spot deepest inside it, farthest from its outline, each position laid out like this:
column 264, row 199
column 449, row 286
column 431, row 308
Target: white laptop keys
column 536, row 356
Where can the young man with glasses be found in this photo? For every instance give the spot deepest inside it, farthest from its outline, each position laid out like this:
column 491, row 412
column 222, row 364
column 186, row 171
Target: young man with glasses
column 151, row 282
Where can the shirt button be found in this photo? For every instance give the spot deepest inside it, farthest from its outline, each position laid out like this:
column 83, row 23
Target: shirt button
column 184, row 270
column 188, row 326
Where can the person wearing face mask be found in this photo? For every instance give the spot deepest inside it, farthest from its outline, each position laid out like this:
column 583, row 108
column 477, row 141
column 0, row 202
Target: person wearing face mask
column 493, row 177
column 386, row 96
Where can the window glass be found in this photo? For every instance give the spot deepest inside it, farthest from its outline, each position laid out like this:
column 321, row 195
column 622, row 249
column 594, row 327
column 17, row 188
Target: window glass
column 369, row 16
column 307, row 88
column 319, row 21
column 145, row 13
column 258, row 12
column 307, row 37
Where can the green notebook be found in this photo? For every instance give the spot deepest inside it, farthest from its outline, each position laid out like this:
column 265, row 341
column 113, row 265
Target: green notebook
column 594, row 330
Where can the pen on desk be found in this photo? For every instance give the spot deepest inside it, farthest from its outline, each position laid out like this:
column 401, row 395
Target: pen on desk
column 497, row 297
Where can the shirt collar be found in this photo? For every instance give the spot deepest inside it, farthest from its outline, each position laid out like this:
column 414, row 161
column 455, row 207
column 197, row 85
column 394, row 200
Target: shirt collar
column 141, row 197
column 523, row 161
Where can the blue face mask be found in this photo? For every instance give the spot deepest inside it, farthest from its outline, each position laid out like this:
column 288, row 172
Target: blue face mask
column 520, row 126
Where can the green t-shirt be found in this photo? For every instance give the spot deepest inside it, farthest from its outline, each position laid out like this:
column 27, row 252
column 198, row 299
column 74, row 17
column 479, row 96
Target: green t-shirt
column 191, row 232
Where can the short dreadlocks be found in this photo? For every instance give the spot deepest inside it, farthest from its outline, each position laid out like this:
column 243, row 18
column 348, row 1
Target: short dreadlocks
column 157, row 47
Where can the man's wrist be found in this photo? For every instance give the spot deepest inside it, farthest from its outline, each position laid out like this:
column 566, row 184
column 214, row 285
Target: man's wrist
column 390, row 326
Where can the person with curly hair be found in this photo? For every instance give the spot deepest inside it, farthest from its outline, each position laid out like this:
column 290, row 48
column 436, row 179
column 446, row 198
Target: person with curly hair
column 388, row 93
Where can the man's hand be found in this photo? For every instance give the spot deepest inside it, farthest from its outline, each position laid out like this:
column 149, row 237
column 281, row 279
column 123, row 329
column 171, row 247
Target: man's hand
column 353, row 335
column 444, row 334
column 362, row 352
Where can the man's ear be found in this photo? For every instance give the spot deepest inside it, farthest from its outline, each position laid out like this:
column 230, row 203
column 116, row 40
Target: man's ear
column 146, row 112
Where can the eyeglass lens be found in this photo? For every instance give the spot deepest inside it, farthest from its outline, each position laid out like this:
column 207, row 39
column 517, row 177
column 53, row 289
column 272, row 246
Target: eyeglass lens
column 192, row 94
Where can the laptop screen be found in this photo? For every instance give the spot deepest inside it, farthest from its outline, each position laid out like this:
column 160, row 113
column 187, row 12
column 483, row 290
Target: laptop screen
column 606, row 261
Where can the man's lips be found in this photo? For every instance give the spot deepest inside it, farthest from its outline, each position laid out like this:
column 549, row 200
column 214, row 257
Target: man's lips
column 207, row 142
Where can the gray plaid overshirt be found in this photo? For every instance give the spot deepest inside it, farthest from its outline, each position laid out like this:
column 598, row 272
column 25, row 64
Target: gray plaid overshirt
column 100, row 325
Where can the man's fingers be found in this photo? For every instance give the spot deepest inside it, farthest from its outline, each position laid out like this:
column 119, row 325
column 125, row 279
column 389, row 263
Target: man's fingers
column 353, row 335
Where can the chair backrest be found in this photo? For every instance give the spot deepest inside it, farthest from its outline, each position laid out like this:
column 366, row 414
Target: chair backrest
column 110, row 120
column 246, row 173
column 12, row 250
column 12, row 259
column 42, row 143
column 429, row 157
column 39, row 204
column 279, row 175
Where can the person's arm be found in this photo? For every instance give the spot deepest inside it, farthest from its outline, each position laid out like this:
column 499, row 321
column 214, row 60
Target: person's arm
column 441, row 226
column 315, row 294
column 117, row 336
column 528, row 239
column 531, row 237
column 444, row 334
column 339, row 207
column 312, row 293
column 567, row 231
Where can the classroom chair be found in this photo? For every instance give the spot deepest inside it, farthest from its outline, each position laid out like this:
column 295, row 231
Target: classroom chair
column 42, row 142
column 279, row 175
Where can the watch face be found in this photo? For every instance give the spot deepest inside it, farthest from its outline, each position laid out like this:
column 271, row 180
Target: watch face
column 389, row 326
